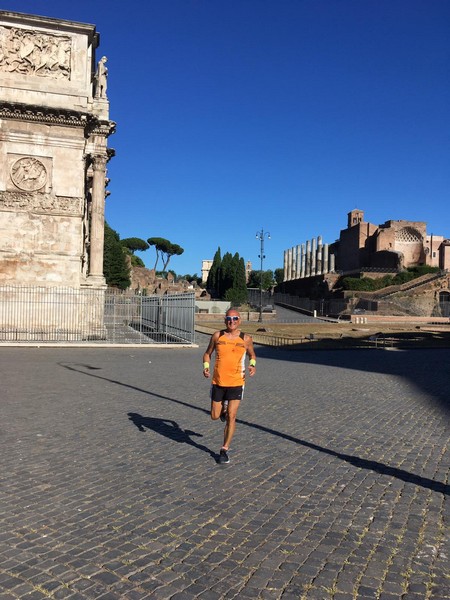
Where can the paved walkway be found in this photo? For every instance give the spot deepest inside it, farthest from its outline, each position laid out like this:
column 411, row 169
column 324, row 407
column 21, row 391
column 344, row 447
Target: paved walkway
column 337, row 487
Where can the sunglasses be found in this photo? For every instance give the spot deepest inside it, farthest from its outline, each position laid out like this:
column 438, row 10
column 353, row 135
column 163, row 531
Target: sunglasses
column 232, row 318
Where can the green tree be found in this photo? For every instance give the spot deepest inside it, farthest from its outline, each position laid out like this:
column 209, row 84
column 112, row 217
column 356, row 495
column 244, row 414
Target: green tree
column 237, row 294
column 171, row 250
column 279, row 276
column 164, row 250
column 136, row 261
column 254, row 280
column 131, row 245
column 212, row 280
column 227, row 278
column 134, row 244
column 115, row 267
column 158, row 243
column 226, row 274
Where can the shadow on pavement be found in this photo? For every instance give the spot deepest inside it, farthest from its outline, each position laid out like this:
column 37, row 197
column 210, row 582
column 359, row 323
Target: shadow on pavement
column 174, row 432
column 169, row 429
column 362, row 463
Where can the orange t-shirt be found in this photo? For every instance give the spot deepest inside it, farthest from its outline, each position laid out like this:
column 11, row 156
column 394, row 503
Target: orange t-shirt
column 229, row 368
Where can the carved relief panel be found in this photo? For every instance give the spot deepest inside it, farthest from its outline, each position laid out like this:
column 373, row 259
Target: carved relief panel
column 29, row 173
column 27, row 52
column 40, row 203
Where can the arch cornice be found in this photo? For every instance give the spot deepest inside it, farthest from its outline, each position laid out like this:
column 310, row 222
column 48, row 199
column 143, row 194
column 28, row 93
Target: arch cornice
column 52, row 116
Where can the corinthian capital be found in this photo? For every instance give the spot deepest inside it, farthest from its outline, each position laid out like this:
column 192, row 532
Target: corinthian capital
column 99, row 162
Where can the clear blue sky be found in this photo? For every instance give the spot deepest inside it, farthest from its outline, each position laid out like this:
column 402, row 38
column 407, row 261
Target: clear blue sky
column 238, row 115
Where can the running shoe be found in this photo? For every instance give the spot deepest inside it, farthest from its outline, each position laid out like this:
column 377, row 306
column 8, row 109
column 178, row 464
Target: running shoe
column 224, row 459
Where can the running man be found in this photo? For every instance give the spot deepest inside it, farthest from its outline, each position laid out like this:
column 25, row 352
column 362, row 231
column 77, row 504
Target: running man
column 227, row 390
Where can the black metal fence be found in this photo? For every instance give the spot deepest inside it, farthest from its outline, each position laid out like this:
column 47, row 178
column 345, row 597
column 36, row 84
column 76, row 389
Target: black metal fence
column 318, row 308
column 167, row 319
column 44, row 314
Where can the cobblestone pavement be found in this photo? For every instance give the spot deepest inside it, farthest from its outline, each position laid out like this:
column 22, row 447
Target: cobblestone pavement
column 337, row 487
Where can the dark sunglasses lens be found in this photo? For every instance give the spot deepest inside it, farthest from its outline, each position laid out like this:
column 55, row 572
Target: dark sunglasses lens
column 232, row 318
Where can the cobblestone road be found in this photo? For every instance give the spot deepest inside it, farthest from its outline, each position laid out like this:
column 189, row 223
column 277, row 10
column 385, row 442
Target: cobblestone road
column 337, row 487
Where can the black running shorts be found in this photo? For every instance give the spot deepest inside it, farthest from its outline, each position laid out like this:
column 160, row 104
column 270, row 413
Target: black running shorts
column 219, row 393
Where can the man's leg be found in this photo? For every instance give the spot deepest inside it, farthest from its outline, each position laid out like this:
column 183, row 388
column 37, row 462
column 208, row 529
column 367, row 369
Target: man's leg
column 216, row 395
column 216, row 409
column 230, row 426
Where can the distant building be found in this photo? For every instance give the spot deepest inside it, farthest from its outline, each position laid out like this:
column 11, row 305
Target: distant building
column 392, row 246
column 206, row 267
column 248, row 270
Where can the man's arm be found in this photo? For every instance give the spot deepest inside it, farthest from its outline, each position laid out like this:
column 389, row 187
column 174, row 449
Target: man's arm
column 208, row 353
column 251, row 354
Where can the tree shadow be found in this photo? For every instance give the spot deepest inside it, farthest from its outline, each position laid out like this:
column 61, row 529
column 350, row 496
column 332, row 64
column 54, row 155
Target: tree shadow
column 426, row 368
column 170, row 429
column 361, row 463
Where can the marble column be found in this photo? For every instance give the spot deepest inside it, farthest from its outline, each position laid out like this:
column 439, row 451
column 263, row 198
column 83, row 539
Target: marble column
column 298, row 261
column 303, row 261
column 293, row 266
column 291, row 274
column 97, row 218
column 285, row 265
column 308, row 259
column 325, row 258
column 293, row 263
column 289, row 264
column 319, row 256
column 313, row 256
column 332, row 263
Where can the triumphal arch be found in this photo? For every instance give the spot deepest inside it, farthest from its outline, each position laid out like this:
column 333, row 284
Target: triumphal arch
column 54, row 129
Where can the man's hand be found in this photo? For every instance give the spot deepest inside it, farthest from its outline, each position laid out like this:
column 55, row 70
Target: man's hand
column 251, row 370
column 206, row 373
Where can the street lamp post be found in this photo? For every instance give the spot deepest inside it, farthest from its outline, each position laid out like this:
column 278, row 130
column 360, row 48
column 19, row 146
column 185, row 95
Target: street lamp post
column 260, row 236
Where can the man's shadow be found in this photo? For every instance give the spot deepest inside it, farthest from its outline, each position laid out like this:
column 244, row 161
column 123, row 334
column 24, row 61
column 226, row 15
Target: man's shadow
column 169, row 429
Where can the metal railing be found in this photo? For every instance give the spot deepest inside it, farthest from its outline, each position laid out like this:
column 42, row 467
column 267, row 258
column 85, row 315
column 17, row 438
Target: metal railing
column 319, row 307
column 255, row 296
column 44, row 314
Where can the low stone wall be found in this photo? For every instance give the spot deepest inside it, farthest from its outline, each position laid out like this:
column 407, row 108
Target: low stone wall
column 245, row 316
column 265, row 340
column 398, row 319
column 211, row 307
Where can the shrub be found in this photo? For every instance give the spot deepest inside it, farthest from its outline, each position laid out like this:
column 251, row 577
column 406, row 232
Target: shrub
column 367, row 284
